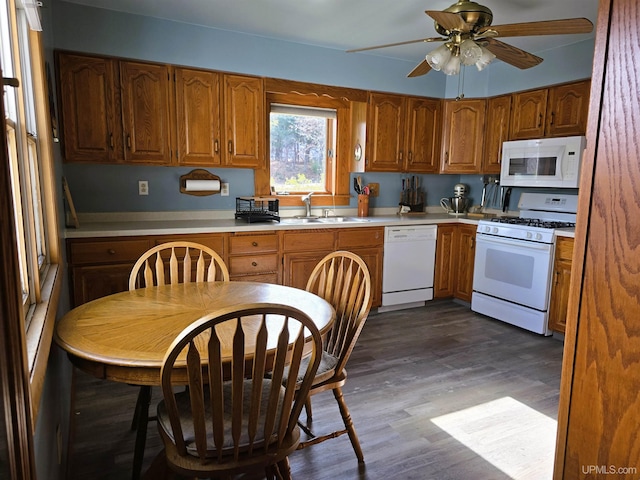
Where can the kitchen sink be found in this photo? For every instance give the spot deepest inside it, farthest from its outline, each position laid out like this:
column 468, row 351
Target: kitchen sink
column 342, row 219
column 300, row 219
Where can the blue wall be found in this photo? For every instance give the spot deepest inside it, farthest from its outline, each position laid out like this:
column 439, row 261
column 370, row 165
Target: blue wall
column 101, row 188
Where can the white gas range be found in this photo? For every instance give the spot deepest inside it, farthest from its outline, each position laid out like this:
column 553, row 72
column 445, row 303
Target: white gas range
column 514, row 260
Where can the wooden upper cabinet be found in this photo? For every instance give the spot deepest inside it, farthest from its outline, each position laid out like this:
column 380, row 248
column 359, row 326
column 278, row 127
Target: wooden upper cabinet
column 146, row 112
column 403, row 133
column 198, row 117
column 463, row 135
column 551, row 112
column 568, row 109
column 529, row 113
column 244, row 114
column 90, row 108
column 385, row 132
column 423, row 132
column 496, row 132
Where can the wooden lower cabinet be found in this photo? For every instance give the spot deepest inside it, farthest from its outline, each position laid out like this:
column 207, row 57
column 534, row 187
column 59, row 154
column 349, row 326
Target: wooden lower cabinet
column 466, row 257
column 100, row 267
column 561, row 281
column 455, row 256
column 254, row 257
column 446, row 261
column 303, row 249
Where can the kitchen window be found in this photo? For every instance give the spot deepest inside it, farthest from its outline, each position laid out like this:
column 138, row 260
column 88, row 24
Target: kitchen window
column 302, row 142
column 31, row 190
column 309, row 145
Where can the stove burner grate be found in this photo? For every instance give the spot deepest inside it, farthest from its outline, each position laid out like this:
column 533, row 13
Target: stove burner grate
column 533, row 222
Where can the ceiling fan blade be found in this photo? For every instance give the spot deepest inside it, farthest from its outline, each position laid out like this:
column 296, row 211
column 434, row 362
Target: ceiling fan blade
column 549, row 27
column 512, row 55
column 421, row 69
column 449, row 21
column 431, row 39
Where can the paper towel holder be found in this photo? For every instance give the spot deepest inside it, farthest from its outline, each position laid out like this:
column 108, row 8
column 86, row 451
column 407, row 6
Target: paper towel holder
column 200, row 174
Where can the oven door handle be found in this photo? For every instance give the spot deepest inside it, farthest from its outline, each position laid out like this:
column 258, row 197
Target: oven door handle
column 512, row 242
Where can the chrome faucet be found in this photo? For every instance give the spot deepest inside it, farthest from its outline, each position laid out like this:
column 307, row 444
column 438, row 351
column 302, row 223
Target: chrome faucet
column 306, row 199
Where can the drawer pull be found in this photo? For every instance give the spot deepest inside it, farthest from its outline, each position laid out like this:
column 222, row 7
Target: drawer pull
column 255, row 244
column 111, row 251
column 255, row 264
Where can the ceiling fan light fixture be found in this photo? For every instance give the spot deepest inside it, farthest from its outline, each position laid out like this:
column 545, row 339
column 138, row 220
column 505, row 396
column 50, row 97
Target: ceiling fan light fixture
column 439, row 57
column 453, row 66
column 485, row 59
column 470, row 52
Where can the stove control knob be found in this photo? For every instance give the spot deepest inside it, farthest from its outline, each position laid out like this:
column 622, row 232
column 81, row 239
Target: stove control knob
column 538, row 236
column 495, row 229
column 529, row 235
column 487, row 228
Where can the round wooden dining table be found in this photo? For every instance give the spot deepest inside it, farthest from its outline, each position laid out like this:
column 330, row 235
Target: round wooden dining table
column 123, row 337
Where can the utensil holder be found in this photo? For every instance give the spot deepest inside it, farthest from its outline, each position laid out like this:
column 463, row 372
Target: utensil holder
column 363, row 205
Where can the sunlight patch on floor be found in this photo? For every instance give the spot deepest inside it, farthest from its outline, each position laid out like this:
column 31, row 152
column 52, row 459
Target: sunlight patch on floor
column 513, row 437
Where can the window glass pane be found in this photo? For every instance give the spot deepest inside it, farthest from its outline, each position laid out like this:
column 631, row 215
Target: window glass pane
column 25, row 68
column 38, row 207
column 20, row 232
column 299, row 149
column 6, row 58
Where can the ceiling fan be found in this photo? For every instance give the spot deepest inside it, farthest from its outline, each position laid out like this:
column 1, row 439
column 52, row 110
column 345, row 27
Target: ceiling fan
column 470, row 39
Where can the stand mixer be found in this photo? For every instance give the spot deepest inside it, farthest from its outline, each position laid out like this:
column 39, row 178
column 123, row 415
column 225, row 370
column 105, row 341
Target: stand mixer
column 457, row 204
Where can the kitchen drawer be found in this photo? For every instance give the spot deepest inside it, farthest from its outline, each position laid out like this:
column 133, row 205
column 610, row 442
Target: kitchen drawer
column 360, row 237
column 213, row 241
column 243, row 244
column 106, row 251
column 248, row 265
column 308, row 240
column 260, row 277
column 564, row 248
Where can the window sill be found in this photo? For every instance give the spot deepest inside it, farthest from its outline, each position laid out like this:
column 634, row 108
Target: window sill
column 40, row 334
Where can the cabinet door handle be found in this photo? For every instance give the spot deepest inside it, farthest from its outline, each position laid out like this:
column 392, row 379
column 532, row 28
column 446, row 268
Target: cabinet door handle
column 216, row 146
column 230, row 146
column 129, row 142
column 111, row 251
column 540, row 121
column 410, row 155
column 553, row 114
column 255, row 244
column 446, row 157
column 400, row 155
column 473, row 243
column 255, row 264
column 557, row 276
column 111, row 141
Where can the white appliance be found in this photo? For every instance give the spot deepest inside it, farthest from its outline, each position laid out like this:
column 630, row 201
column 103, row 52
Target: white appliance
column 546, row 162
column 408, row 266
column 514, row 260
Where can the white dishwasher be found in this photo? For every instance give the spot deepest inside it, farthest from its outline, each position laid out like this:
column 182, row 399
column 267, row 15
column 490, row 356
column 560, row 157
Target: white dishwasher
column 408, row 266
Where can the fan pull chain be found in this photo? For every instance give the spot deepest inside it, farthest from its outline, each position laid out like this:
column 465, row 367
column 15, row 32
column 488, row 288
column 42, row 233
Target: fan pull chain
column 461, row 84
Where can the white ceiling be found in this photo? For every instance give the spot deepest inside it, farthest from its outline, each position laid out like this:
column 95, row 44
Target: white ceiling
column 348, row 24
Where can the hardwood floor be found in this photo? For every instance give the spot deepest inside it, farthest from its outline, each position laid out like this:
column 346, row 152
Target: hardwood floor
column 437, row 392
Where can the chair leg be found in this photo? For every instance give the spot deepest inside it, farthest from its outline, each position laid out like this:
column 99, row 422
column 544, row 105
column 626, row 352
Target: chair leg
column 307, row 407
column 141, row 418
column 348, row 423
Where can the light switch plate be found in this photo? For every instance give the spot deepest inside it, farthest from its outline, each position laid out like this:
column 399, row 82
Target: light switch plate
column 224, row 190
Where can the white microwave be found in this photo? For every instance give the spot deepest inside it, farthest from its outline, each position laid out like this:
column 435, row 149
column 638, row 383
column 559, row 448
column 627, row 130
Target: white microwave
column 545, row 162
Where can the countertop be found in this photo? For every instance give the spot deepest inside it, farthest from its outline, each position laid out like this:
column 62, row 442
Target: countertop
column 134, row 224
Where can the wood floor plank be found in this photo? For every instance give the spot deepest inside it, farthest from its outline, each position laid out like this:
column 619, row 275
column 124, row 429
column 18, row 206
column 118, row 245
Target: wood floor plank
column 410, row 367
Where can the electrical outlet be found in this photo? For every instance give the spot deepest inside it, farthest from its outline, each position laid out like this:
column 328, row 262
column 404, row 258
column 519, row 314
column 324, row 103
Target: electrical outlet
column 143, row 187
column 224, row 190
column 374, row 189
